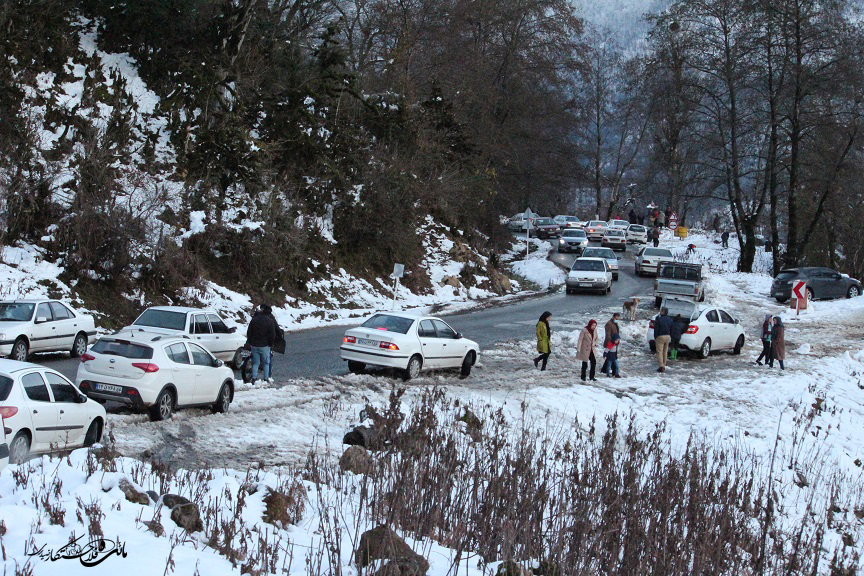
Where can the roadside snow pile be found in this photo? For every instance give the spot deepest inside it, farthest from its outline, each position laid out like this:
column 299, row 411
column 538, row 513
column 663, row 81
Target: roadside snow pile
column 710, row 253
column 536, row 268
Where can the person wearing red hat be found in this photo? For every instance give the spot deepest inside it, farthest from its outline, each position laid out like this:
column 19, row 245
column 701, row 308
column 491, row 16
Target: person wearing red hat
column 585, row 349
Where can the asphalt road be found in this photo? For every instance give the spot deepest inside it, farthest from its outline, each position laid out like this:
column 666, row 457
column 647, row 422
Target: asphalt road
column 315, row 352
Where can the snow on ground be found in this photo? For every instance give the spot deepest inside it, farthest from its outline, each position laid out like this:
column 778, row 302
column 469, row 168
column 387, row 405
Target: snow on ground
column 536, row 267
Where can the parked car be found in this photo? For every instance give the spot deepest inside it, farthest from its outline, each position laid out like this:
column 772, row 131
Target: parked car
column 589, row 274
column 42, row 411
column 572, row 240
column 517, row 223
column 679, row 279
column 408, row 342
column 155, row 372
column 614, row 238
column 545, row 228
column 595, row 229
column 648, row 260
column 608, row 255
column 822, row 283
column 567, row 221
column 203, row 326
column 637, row 234
column 620, row 224
column 37, row 325
column 708, row 328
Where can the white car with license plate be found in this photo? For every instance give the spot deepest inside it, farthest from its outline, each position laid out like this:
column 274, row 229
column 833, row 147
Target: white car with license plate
column 205, row 327
column 595, row 229
column 619, row 224
column 572, row 240
column 637, row 234
column 704, row 329
column 589, row 275
column 155, row 372
column 614, row 238
column 37, row 325
column 43, row 412
column 567, row 221
column 648, row 260
column 607, row 254
column 408, row 343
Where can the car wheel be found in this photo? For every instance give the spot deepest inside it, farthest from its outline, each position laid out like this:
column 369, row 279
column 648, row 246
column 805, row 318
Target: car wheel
column 702, row 297
column 163, row 407
column 810, row 295
column 20, row 350
column 356, row 367
column 739, row 344
column 705, row 349
column 79, row 347
column 94, row 434
column 246, row 370
column 467, row 363
column 609, row 288
column 223, row 401
column 414, row 366
column 237, row 360
column 853, row 292
column 652, row 345
column 657, row 301
column 19, row 449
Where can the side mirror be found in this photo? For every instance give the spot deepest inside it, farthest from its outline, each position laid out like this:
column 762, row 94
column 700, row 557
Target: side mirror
column 736, row 321
column 41, row 319
column 458, row 335
column 218, row 363
column 82, row 399
column 618, row 257
column 232, row 330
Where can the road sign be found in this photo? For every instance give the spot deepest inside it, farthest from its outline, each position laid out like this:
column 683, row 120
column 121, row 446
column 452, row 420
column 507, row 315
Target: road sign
column 799, row 290
column 398, row 271
column 673, row 221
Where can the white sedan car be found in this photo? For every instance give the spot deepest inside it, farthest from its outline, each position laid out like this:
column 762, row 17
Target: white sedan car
column 648, row 260
column 155, row 372
column 589, row 274
column 409, row 343
column 704, row 329
column 637, row 234
column 43, row 412
column 607, row 254
column 619, row 224
column 35, row 325
column 595, row 229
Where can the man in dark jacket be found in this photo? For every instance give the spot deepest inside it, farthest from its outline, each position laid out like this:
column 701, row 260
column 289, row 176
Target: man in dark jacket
column 260, row 336
column 663, row 326
column 678, row 327
column 724, row 238
column 611, row 331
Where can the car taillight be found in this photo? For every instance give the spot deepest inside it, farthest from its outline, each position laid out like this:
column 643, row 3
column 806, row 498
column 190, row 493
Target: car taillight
column 388, row 346
column 86, row 357
column 696, row 290
column 349, row 340
column 146, row 366
column 8, row 411
column 651, row 324
column 691, row 330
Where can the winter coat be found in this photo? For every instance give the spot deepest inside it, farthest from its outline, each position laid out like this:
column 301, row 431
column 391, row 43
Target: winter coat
column 544, row 344
column 586, row 345
column 663, row 326
column 655, row 234
column 611, row 329
column 261, row 331
column 678, row 327
column 766, row 330
column 778, row 342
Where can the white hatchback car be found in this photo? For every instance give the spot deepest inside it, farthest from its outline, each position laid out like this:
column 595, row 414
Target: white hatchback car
column 35, row 325
column 704, row 329
column 589, row 274
column 409, row 343
column 42, row 411
column 637, row 234
column 156, row 372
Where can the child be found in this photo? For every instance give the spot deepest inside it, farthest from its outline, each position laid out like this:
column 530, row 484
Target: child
column 611, row 355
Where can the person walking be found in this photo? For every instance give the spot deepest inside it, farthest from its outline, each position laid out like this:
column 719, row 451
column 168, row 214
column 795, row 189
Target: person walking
column 766, row 341
column 585, row 349
column 725, row 238
column 544, row 340
column 778, row 343
column 260, row 336
column 663, row 326
column 655, row 235
column 610, row 353
column 611, row 329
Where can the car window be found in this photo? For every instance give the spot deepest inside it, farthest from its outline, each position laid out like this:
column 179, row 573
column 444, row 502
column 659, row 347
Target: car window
column 444, row 331
column 16, row 312
column 712, row 316
column 426, row 329
column 218, row 326
column 61, row 388
column 60, row 311
column 5, row 387
column 200, row 357
column 35, row 388
column 124, row 348
column 200, row 324
column 162, row 319
column 389, row 323
column 44, row 311
column 658, row 252
column 726, row 318
column 589, row 265
column 177, row 353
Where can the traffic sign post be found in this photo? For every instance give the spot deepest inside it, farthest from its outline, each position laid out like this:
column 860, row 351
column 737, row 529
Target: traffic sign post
column 528, row 226
column 398, row 272
column 799, row 296
column 673, row 221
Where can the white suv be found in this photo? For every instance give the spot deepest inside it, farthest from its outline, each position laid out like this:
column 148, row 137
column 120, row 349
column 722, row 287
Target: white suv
column 157, row 372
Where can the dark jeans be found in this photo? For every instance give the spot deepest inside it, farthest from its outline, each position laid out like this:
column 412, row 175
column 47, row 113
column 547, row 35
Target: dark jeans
column 656, row 242
column 543, row 358
column 771, row 363
column 766, row 351
column 593, row 362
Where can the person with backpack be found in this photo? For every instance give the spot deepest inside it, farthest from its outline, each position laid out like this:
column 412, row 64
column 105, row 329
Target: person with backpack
column 766, row 341
column 260, row 337
column 544, row 340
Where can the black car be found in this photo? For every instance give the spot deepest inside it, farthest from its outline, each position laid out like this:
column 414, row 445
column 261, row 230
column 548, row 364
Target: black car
column 545, row 228
column 822, row 283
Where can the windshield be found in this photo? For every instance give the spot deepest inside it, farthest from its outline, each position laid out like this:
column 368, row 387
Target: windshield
column 588, row 266
column 679, row 273
column 606, row 253
column 787, row 275
column 124, row 348
column 574, row 233
column 636, row 228
column 162, row 319
column 615, row 233
column 544, row 222
column 389, row 323
column 657, row 252
column 16, row 311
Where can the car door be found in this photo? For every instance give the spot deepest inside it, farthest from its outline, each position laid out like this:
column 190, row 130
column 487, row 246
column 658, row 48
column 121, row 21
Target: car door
column 834, row 284
column 715, row 329
column 207, row 380
column 225, row 343
column 453, row 349
column 64, row 322
column 430, row 345
column 44, row 329
column 730, row 330
column 200, row 329
column 44, row 414
column 182, row 372
column 72, row 418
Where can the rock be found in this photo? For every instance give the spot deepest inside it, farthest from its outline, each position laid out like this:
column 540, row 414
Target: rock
column 512, row 568
column 183, row 512
column 133, row 494
column 382, row 543
column 364, row 436
column 153, row 495
column 154, row 527
column 356, row 459
column 285, row 506
column 172, row 500
column 450, row 281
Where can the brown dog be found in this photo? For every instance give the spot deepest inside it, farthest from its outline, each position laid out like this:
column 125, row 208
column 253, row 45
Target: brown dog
column 630, row 307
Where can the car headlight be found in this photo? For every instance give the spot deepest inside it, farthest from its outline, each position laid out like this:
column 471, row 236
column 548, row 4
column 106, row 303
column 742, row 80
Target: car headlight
column 561, row 240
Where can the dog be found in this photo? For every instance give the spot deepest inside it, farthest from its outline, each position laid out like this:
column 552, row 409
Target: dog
column 630, row 307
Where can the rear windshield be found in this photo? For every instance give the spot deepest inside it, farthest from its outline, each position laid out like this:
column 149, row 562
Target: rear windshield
column 588, row 266
column 686, row 309
column 637, row 228
column 657, row 252
column 576, row 233
column 596, row 223
column 599, row 253
column 162, row 319
column 389, row 323
column 679, row 273
column 787, row 275
column 5, row 387
column 15, row 312
column 124, row 348
column 615, row 232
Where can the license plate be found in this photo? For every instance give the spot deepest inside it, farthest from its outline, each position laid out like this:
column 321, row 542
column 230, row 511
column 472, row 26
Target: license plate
column 108, row 388
column 367, row 342
column 584, row 284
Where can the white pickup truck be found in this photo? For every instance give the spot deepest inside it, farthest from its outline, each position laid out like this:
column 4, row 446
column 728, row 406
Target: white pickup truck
column 680, row 280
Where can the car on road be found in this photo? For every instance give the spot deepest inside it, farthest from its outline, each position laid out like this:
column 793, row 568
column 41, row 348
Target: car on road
column 679, row 279
column 517, row 222
column 572, row 240
column 567, row 221
column 620, row 224
column 155, row 372
column 637, row 234
column 648, row 260
column 42, row 325
column 595, row 229
column 707, row 329
column 822, row 283
column 545, row 228
column 614, row 238
column 589, row 275
column 203, row 326
column 409, row 343
column 608, row 255
column 43, row 412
